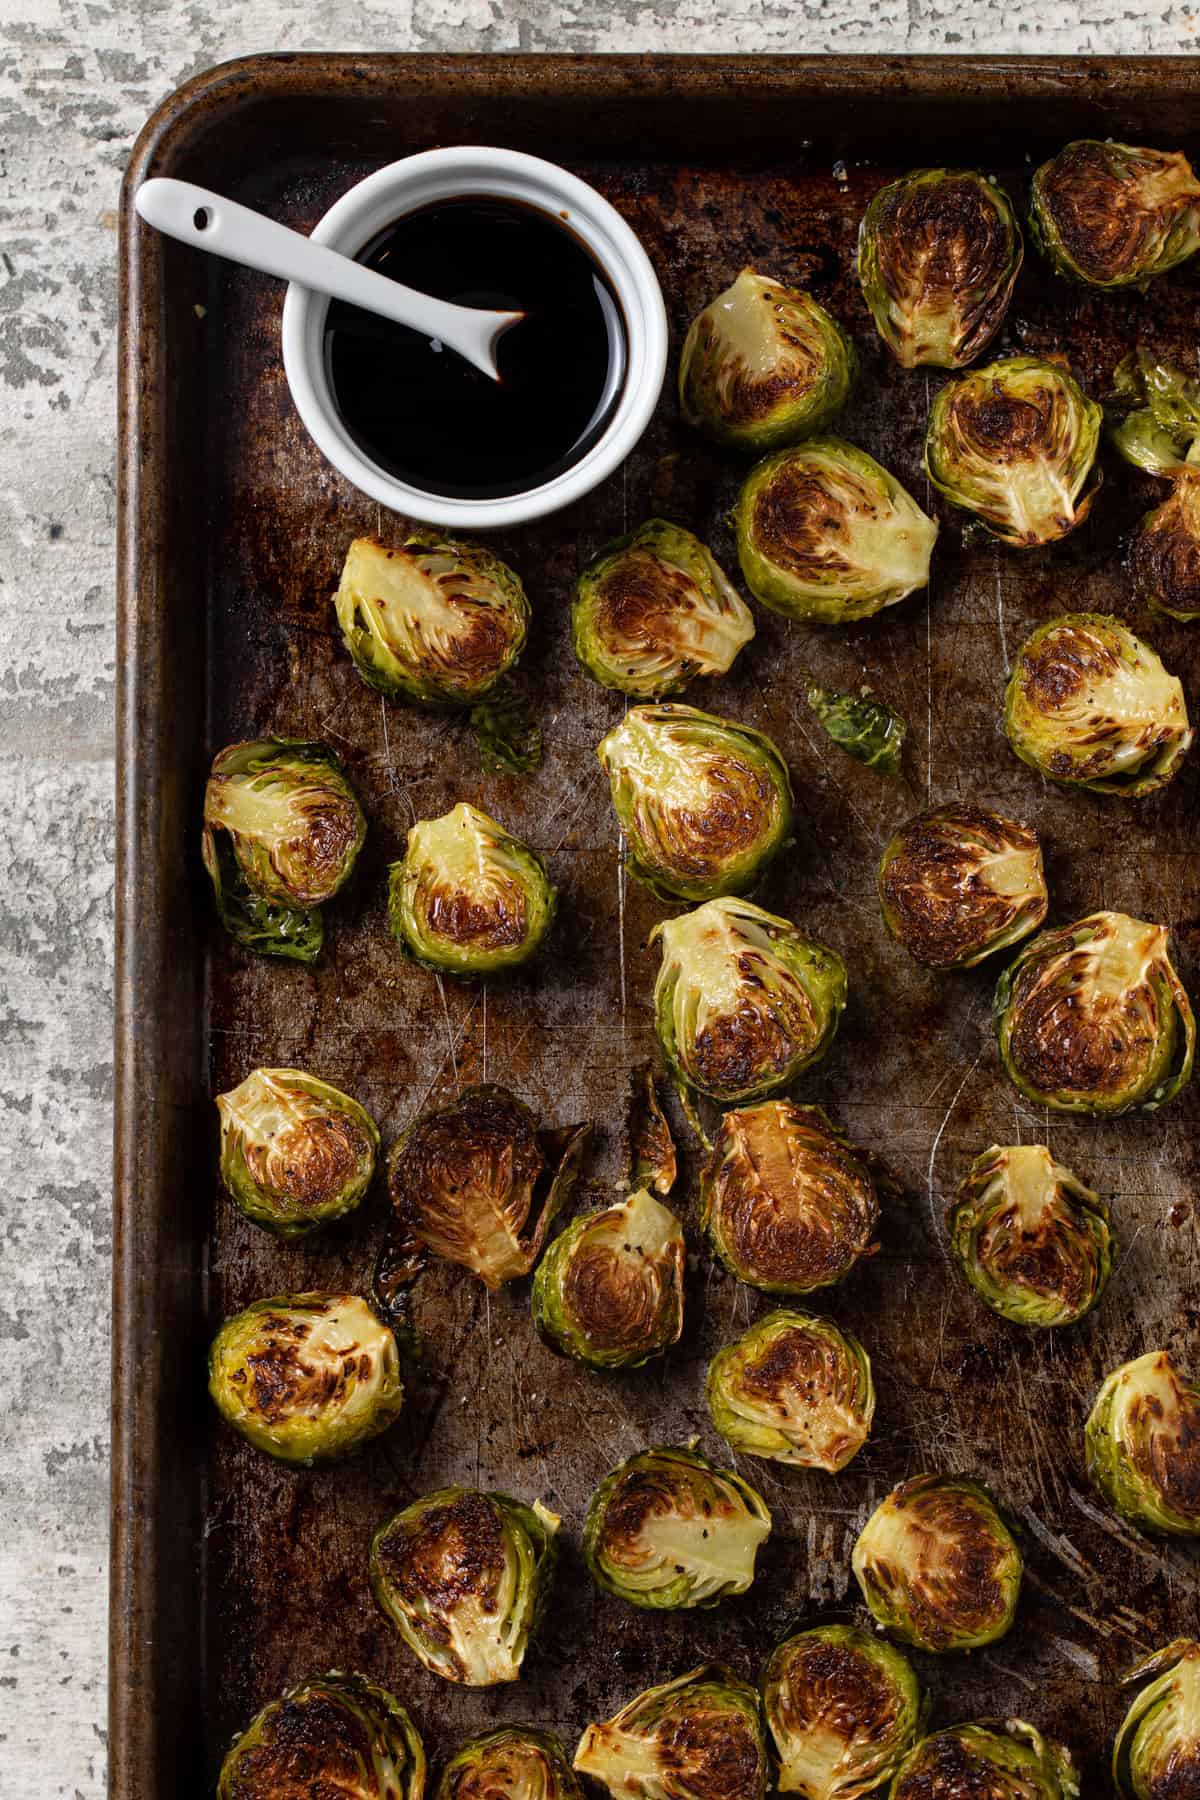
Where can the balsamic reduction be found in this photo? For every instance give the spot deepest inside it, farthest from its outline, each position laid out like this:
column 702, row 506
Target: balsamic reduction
column 428, row 417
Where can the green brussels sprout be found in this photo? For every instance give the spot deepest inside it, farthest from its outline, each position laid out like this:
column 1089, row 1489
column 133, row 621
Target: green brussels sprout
column 1090, row 705
column 937, row 1565
column 652, row 1158
column 825, row 534
column 795, row 1389
column 764, row 365
column 667, row 1529
column 1093, row 1018
column 1153, row 415
column 699, row 1737
column 788, row 1203
column 1115, row 216
column 296, row 1152
column 869, row 730
column 996, row 1759
column 1142, row 1442
column 1156, row 1754
column 744, row 1002
column 466, row 898
column 938, row 254
column 463, row 1576
column 306, row 1377
column 1015, row 443
column 1164, row 557
column 704, row 803
column 333, row 1734
column 1029, row 1237
column 515, row 1762
column 654, row 610
column 609, row 1290
column 959, row 882
column 843, row 1708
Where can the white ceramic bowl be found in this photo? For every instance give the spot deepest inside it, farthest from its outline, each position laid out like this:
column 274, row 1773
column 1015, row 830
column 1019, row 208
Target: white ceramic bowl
column 433, row 175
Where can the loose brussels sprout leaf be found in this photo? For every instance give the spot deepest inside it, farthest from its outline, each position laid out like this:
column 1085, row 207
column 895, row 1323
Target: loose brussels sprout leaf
column 296, row 1152
column 654, row 611
column 795, row 1389
column 334, row 1734
column 306, row 1377
column 744, row 1002
column 1153, row 415
column 996, row 1759
column 699, row 1737
column 1164, row 558
column 869, row 730
column 667, row 1530
column 1142, row 1441
column 1090, row 705
column 959, row 882
column 433, row 620
column 824, row 533
column 257, row 924
column 704, row 803
column 653, row 1163
column 1093, row 1018
column 291, row 817
column 938, row 253
column 1115, row 216
column 508, row 732
column 764, row 365
column 609, row 1290
column 843, row 1708
column 463, row 1576
column 466, row 898
column 1157, row 1749
column 517, row 1762
column 789, row 1205
column 1015, row 444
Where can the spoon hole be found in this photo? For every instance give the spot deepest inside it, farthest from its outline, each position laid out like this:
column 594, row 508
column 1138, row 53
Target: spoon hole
column 200, row 218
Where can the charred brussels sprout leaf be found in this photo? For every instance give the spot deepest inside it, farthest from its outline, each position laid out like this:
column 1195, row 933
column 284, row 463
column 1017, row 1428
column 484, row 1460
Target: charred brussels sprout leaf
column 959, row 882
column 333, row 1734
column 1093, row 1018
column 468, row 899
column 609, row 1290
column 296, row 1152
column 869, row 730
column 996, row 1759
column 463, row 1577
column 516, row 1762
column 1153, row 415
column 1164, row 557
column 306, row 1377
column 1115, row 216
column 1157, row 1749
column 795, row 1389
column 1143, row 1445
column 843, row 1708
column 653, row 1163
column 825, row 534
column 508, row 732
column 699, row 1737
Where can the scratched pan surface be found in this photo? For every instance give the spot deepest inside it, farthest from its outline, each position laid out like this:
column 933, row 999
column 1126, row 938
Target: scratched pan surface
column 234, row 1576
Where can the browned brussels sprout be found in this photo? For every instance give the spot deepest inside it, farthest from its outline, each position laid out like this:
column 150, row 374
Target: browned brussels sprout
column 609, row 1290
column 1157, row 1751
column 1164, row 558
column 1113, row 215
column 1153, row 415
column 959, row 882
column 296, row 1153
column 992, row 1759
column 1142, row 1441
column 652, row 1159
column 334, row 1734
column 468, row 898
column 699, row 1737
column 515, row 1762
column 795, row 1389
column 843, row 1707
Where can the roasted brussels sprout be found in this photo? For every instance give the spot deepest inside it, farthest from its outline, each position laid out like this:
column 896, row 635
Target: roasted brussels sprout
column 1114, row 216
column 1156, row 1755
column 334, row 1734
column 516, row 1762
column 296, row 1152
column 938, row 253
column 843, row 1708
column 466, row 898
column 609, row 1290
column 788, row 1203
column 795, row 1389
column 667, row 1529
column 825, row 534
column 996, row 1759
column 654, row 610
column 1090, row 705
column 1164, row 557
column 306, row 1377
column 868, row 729
column 959, row 882
column 1153, row 415
column 1093, row 1019
column 699, row 1737
column 704, row 803
column 463, row 1576
column 1015, row 444
column 938, row 1566
column 1142, row 1441
column 764, row 365
column 652, row 1159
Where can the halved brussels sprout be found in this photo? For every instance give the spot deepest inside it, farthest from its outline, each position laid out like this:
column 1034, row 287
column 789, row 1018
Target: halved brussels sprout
column 843, row 1708
column 788, row 1203
column 704, row 803
column 1090, row 705
column 333, row 1734
column 1093, row 1018
column 654, row 610
column 1113, row 215
column 866, row 728
column 1154, row 415
column 795, row 1389
column 699, row 1737
column 959, row 882
column 1030, row 1238
column 515, row 1762
column 296, row 1152
column 466, row 898
column 938, row 1566
column 1142, row 1441
column 824, row 533
column 1015, row 444
column 996, row 1759
column 764, row 365
column 938, row 253
column 306, row 1377
column 463, row 1576
column 1164, row 558
column 609, row 1290
column 667, row 1529
column 652, row 1159
column 1156, row 1754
